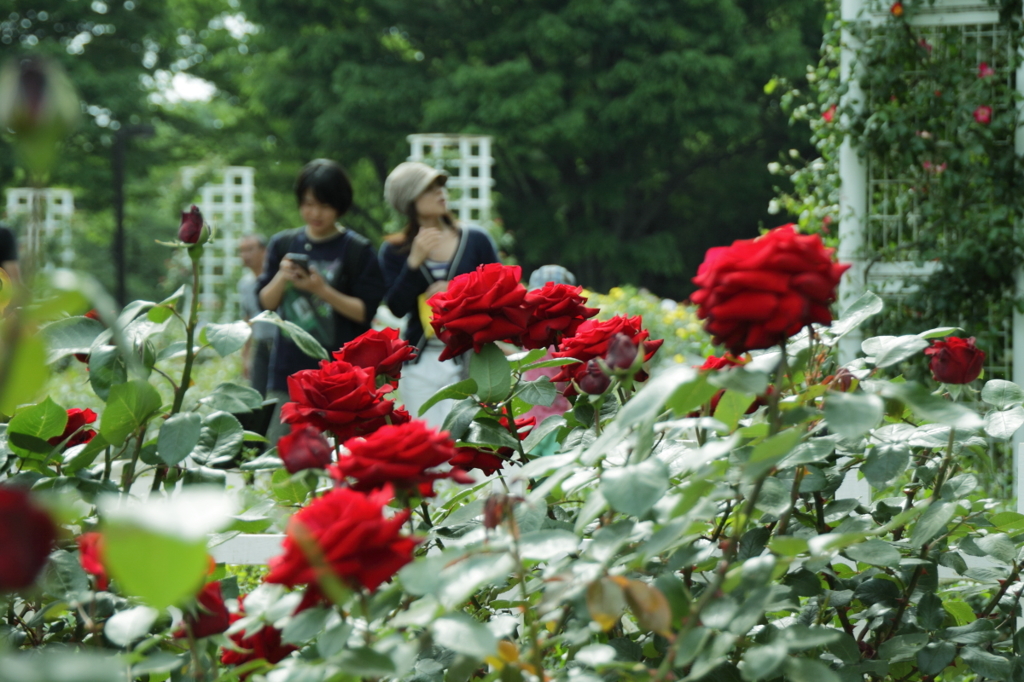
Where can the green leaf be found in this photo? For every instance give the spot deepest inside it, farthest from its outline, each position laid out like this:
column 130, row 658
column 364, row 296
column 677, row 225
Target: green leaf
column 493, row 375
column 1002, row 394
column 884, row 463
column 889, row 350
column 106, row 369
column 930, row 614
column 305, row 625
column 732, row 406
column 539, row 432
column 365, row 662
column 931, row 407
column 289, row 488
column 935, row 657
column 806, row 670
column 939, row 332
column 129, row 406
column 159, row 569
column 998, row 546
column 38, row 422
column 690, row 395
column 234, row 398
column 306, row 343
column 124, row 627
column 635, row 488
column 220, row 439
column 902, row 647
column 27, row 375
column 538, row 392
column 763, row 662
column 874, row 552
column 226, row 338
column 770, row 451
column 1004, row 423
column 178, row 436
column 457, row 391
column 868, row 305
column 69, row 335
column 851, row 415
column 985, row 664
column 977, row 632
column 544, row 545
column 932, row 522
column 64, row 578
column 463, row 635
column 740, row 379
column 490, row 432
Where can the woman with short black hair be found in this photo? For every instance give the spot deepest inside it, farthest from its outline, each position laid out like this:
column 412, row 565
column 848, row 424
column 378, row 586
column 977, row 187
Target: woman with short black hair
column 321, row 276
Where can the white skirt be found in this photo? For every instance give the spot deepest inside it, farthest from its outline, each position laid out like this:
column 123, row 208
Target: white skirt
column 423, row 379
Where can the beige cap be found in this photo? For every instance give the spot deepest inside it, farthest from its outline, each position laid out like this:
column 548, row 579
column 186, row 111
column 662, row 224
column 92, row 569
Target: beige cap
column 407, row 182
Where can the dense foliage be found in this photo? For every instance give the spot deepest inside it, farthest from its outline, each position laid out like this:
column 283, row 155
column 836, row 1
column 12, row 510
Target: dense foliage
column 696, row 527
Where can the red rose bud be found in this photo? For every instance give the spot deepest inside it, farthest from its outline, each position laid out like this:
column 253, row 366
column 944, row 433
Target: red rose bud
column 347, row 533
column 595, row 381
column 304, row 448
column 843, row 380
column 955, row 360
column 983, row 114
column 211, row 615
column 896, row 9
column 191, row 225
column 622, row 353
column 89, row 555
column 27, row 535
column 984, row 70
column 757, row 293
column 77, row 419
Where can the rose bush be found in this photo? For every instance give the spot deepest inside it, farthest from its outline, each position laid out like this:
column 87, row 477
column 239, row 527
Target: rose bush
column 836, row 531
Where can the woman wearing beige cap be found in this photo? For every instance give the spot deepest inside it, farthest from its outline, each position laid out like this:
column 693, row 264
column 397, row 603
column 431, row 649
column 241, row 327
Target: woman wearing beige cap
column 417, row 263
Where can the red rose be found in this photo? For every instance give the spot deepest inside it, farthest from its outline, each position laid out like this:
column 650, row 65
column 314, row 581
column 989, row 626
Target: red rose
column 487, row 461
column 594, row 381
column 381, row 351
column 191, row 225
column 77, row 419
column 304, row 448
column 592, row 340
column 896, row 9
column 404, row 456
column 556, row 311
column 264, row 644
column 89, row 554
column 955, row 360
column 759, row 292
column 348, row 535
column 339, row 397
column 479, row 307
column 983, row 114
column 712, row 362
column 210, row 616
column 829, row 114
column 27, row 535
column 984, row 70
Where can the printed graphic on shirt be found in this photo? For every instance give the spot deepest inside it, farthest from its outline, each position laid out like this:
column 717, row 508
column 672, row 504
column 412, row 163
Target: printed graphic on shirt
column 313, row 314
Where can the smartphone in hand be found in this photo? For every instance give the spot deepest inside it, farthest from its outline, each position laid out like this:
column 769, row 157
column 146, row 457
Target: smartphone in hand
column 299, row 259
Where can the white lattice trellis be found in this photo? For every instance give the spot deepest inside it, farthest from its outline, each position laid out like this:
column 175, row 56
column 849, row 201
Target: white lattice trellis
column 876, row 206
column 227, row 204
column 50, row 240
column 467, row 158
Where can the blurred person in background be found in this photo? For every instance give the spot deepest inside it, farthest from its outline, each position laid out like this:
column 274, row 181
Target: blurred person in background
column 252, row 249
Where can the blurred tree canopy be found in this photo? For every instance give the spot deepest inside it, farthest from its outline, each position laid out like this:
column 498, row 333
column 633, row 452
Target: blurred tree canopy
column 629, row 136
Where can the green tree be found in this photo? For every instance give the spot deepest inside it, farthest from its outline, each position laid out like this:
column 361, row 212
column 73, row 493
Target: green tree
column 629, row 136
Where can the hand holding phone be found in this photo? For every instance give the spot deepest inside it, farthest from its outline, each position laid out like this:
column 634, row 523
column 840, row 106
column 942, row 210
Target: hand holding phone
column 300, row 260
